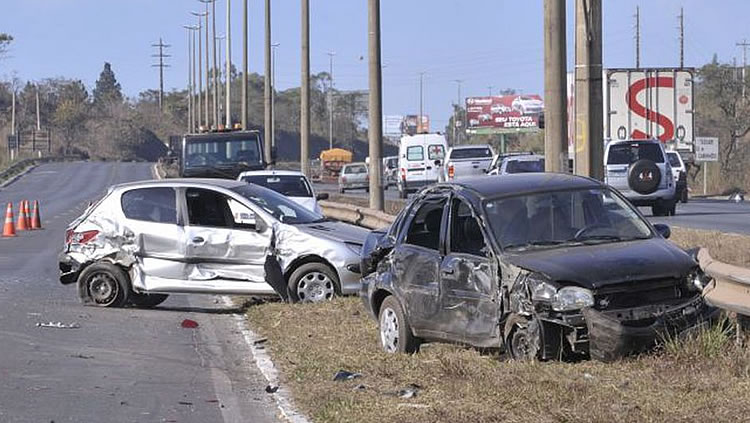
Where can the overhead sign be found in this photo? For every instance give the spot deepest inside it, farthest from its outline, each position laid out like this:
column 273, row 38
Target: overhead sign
column 706, row 149
column 649, row 103
column 410, row 125
column 498, row 114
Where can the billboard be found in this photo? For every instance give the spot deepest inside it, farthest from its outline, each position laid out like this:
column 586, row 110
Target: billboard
column 649, row 103
column 498, row 114
column 410, row 125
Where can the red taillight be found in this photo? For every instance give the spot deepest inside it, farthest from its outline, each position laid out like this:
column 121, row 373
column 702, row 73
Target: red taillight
column 343, row 179
column 451, row 172
column 403, row 174
column 79, row 237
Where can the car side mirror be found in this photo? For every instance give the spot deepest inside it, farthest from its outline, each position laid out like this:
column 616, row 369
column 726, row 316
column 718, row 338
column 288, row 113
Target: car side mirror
column 322, row 196
column 663, row 230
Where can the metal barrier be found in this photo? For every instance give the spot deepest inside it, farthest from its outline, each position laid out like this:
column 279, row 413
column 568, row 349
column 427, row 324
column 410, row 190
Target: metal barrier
column 360, row 216
column 730, row 288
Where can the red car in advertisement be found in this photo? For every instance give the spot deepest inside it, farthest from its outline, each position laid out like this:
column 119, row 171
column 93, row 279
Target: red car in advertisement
column 504, row 112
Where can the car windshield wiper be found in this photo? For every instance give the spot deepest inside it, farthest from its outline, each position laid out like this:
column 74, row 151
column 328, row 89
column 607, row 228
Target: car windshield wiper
column 537, row 243
column 590, row 239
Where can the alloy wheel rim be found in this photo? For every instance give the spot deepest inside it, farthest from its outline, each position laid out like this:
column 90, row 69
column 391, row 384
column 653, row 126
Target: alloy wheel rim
column 315, row 287
column 389, row 330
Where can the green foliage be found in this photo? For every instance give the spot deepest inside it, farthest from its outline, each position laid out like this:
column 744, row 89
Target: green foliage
column 108, row 90
column 5, row 40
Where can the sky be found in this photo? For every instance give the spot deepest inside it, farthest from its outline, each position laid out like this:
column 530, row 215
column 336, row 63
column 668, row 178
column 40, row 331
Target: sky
column 484, row 43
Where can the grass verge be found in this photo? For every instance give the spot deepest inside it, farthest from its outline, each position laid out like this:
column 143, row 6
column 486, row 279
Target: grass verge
column 704, row 376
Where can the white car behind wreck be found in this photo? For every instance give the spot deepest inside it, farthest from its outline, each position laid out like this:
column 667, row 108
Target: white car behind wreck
column 145, row 240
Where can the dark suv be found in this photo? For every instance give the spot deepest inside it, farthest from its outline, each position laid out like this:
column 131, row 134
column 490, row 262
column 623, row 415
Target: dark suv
column 542, row 265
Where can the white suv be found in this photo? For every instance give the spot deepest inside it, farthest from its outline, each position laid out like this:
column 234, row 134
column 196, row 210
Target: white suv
column 640, row 170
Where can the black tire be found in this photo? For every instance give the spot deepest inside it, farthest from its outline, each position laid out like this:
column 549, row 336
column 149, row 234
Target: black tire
column 684, row 196
column 313, row 282
column 104, row 284
column 147, row 300
column 644, row 176
column 399, row 327
column 671, row 209
column 524, row 340
column 657, row 210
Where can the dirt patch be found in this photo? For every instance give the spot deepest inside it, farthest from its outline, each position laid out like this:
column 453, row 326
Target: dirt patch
column 311, row 343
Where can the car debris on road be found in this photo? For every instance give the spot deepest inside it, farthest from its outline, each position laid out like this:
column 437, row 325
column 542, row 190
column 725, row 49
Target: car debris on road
column 58, row 325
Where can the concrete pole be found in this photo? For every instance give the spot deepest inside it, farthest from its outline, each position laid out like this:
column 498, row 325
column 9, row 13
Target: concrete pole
column 190, row 81
column 38, row 115
column 200, row 72
column 219, row 94
column 245, row 100
column 192, row 85
column 13, row 112
column 228, row 89
column 215, row 68
column 330, row 101
column 273, row 94
column 208, row 84
column 305, row 91
column 556, row 116
column 267, row 124
column 375, row 127
column 589, row 151
column 421, row 102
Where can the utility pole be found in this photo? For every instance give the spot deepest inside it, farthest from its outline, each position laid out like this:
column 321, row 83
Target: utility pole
column 161, row 67
column 455, row 111
column 215, row 70
column 637, row 37
column 245, row 102
column 744, row 44
column 273, row 94
column 208, row 84
column 421, row 102
column 38, row 115
column 267, row 97
column 682, row 38
column 589, row 149
column 305, row 90
column 194, row 30
column 490, row 89
column 13, row 112
column 200, row 70
column 555, row 93
column 375, row 127
column 330, row 101
column 220, row 106
column 228, row 76
column 190, row 78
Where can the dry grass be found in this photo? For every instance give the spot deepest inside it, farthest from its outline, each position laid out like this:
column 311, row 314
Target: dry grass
column 726, row 247
column 310, row 343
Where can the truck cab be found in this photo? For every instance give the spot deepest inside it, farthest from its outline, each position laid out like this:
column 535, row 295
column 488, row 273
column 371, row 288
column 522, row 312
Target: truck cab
column 221, row 154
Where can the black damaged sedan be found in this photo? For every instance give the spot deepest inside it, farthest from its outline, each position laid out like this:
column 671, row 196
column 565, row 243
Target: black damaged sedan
column 542, row 265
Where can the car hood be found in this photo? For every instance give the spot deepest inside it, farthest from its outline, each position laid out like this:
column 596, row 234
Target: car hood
column 595, row 266
column 306, row 202
column 336, row 231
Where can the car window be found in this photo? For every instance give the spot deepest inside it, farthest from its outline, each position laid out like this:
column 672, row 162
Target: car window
column 150, row 204
column 674, row 159
column 278, row 206
column 349, row 170
column 415, row 152
column 466, row 234
column 630, row 153
column 525, row 166
column 208, row 208
column 471, row 153
column 289, row 185
column 436, row 152
column 424, row 228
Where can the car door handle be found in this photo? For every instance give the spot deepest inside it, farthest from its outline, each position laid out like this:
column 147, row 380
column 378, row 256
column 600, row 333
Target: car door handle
column 429, row 167
column 198, row 240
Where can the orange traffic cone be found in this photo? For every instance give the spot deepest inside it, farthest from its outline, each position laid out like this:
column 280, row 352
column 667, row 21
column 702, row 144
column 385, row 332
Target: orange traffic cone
column 21, row 223
column 28, row 213
column 36, row 221
column 8, row 229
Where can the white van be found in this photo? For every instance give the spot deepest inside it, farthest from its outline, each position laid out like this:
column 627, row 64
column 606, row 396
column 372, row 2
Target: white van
column 421, row 159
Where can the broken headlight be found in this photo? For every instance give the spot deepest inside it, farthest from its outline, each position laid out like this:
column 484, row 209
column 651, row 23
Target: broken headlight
column 572, row 298
column 697, row 280
column 541, row 289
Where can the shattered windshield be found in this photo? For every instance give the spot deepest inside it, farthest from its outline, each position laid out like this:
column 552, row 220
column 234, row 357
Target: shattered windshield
column 563, row 218
column 275, row 204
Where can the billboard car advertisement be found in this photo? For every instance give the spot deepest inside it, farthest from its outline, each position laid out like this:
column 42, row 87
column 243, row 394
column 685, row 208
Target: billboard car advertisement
column 502, row 114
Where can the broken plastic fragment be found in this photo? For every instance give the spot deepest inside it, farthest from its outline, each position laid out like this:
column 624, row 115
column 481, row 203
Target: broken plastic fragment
column 189, row 324
column 271, row 389
column 345, row 375
column 58, row 325
column 409, row 392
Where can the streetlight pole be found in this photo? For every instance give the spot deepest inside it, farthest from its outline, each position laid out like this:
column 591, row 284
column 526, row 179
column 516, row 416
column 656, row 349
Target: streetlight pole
column 215, row 68
column 220, row 104
column 200, row 69
column 455, row 111
column 421, row 101
column 330, row 101
column 190, row 78
column 273, row 94
column 228, row 76
column 305, row 89
column 244, row 66
column 267, row 97
column 375, row 127
column 208, row 84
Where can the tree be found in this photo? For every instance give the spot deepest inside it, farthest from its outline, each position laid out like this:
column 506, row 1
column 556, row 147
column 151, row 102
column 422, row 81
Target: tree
column 107, row 91
column 71, row 114
column 5, row 40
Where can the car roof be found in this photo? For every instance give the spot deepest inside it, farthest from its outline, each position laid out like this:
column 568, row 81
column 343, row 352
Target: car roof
column 522, row 183
column 470, row 146
column 524, row 157
column 356, row 164
column 648, row 141
column 273, row 172
column 183, row 182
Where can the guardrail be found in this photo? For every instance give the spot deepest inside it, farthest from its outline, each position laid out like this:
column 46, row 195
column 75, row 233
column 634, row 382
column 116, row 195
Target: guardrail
column 361, row 216
column 730, row 288
column 21, row 165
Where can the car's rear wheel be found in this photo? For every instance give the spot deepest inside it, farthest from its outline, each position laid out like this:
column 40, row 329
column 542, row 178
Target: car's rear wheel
column 104, row 285
column 147, row 300
column 313, row 283
column 684, row 196
column 657, row 210
column 395, row 331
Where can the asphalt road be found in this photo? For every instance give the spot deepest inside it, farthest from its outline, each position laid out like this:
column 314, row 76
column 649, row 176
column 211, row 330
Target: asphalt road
column 121, row 365
column 717, row 215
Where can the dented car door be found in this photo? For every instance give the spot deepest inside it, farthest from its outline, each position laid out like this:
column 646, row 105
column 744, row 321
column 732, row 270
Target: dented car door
column 226, row 244
column 468, row 284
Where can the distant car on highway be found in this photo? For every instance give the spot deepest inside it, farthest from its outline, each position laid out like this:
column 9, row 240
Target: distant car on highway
column 354, row 176
column 500, row 108
column 640, row 170
column 524, row 163
column 390, row 171
column 527, row 105
column 467, row 160
column 146, row 240
column 223, row 154
column 679, row 171
column 542, row 265
column 292, row 184
column 421, row 161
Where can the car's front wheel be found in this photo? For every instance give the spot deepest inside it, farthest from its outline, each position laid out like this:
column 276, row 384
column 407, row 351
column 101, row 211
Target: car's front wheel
column 104, row 285
column 524, row 338
column 313, row 283
column 395, row 331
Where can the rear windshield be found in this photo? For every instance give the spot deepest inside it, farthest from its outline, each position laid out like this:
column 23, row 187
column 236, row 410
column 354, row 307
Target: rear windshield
column 631, row 153
column 525, row 166
column 436, row 152
column 674, row 159
column 415, row 152
column 289, row 185
column 355, row 169
column 472, row 153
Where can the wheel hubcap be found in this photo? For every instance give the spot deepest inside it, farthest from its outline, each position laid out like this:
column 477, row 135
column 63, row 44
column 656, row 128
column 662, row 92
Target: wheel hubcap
column 103, row 288
column 314, row 287
column 389, row 330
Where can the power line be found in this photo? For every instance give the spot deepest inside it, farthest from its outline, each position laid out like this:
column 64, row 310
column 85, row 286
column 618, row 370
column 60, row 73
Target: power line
column 161, row 65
